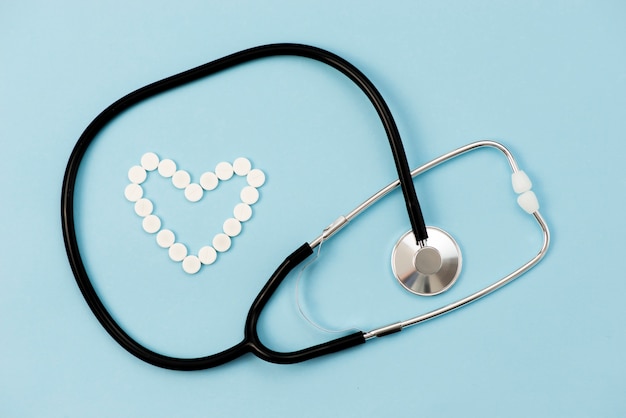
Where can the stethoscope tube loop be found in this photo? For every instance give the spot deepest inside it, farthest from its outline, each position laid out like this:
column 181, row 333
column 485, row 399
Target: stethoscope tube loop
column 251, row 342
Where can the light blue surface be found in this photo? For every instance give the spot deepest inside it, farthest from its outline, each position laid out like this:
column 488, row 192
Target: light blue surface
column 546, row 78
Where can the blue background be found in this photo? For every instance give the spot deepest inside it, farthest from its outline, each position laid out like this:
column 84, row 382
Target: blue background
column 547, row 78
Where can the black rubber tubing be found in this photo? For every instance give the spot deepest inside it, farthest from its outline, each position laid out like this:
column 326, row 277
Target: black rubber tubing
column 251, row 342
column 251, row 338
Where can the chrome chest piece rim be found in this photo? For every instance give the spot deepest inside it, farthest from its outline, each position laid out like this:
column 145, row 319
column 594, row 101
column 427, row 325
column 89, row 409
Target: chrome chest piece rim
column 427, row 270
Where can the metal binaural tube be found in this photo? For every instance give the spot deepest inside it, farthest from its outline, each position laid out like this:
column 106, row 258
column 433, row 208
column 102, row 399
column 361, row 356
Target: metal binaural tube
column 336, row 226
column 398, row 326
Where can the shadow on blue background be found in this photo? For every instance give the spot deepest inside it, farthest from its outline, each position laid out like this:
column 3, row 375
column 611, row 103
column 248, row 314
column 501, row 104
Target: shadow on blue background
column 545, row 78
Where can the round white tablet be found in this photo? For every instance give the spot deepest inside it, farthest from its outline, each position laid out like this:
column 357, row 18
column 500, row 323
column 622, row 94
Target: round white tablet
column 209, row 180
column 207, row 255
column 137, row 174
column 242, row 212
column 165, row 238
column 193, row 192
column 167, row 168
column 224, row 170
column 181, row 179
column 149, row 161
column 151, row 224
column 232, row 227
column 133, row 192
column 249, row 195
column 143, row 207
column 177, row 252
column 191, row 264
column 221, row 242
column 242, row 166
column 256, row 178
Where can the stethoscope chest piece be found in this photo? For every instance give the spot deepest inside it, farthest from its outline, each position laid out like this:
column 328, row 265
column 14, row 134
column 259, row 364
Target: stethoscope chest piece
column 430, row 269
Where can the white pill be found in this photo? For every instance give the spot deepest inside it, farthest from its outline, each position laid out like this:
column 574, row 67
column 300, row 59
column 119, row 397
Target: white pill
column 143, row 207
column 242, row 166
column 181, row 179
column 151, row 224
column 207, row 255
column 165, row 238
column 177, row 252
column 149, row 161
column 256, row 178
column 193, row 192
column 242, row 212
column 137, row 174
column 232, row 227
column 249, row 195
column 133, row 192
column 224, row 171
column 167, row 168
column 191, row 264
column 209, row 180
column 221, row 242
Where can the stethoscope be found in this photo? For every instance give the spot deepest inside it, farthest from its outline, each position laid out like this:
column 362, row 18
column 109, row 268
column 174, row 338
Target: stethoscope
column 425, row 261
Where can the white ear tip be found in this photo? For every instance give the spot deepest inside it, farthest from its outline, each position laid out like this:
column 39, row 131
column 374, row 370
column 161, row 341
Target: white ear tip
column 521, row 182
column 528, row 201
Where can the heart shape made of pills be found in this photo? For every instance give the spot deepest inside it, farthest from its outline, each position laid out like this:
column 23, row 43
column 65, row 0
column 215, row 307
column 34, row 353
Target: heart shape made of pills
column 181, row 179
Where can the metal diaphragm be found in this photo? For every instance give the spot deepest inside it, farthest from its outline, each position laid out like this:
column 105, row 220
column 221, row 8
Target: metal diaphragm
column 427, row 270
